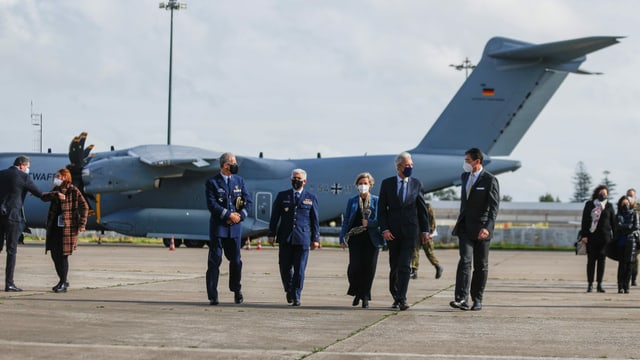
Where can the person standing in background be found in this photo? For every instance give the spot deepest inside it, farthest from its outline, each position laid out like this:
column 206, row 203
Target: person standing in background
column 598, row 220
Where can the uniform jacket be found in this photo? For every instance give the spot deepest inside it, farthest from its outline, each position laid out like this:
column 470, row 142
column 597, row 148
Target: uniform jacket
column 604, row 229
column 372, row 221
column 74, row 213
column 407, row 219
column 480, row 209
column 222, row 200
column 295, row 224
column 14, row 185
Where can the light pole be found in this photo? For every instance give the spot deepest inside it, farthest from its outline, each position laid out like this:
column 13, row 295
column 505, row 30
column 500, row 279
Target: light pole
column 171, row 5
column 466, row 65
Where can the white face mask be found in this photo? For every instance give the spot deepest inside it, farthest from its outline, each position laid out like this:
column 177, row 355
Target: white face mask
column 467, row 167
column 57, row 182
column 26, row 171
column 363, row 189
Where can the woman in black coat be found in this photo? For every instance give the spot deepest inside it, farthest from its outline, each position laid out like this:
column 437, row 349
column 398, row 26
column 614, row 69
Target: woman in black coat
column 598, row 220
column 625, row 242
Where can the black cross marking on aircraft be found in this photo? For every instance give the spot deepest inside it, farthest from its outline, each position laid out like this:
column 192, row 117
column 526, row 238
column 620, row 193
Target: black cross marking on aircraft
column 336, row 188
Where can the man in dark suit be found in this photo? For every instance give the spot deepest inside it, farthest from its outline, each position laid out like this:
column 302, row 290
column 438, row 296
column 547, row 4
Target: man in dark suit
column 294, row 225
column 403, row 218
column 229, row 203
column 15, row 182
column 474, row 229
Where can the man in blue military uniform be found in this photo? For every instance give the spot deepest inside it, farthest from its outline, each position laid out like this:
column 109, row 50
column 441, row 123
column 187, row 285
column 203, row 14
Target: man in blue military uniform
column 229, row 203
column 294, row 224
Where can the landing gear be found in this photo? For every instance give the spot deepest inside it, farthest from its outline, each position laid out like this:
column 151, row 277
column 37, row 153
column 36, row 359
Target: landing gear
column 167, row 242
column 194, row 243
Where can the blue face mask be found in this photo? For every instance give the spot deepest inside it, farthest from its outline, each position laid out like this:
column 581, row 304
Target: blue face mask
column 407, row 171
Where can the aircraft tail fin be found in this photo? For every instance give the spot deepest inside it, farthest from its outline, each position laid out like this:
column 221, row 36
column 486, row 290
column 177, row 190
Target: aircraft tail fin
column 505, row 93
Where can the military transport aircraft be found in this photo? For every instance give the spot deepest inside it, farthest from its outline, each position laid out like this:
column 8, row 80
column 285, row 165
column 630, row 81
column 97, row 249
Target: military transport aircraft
column 158, row 190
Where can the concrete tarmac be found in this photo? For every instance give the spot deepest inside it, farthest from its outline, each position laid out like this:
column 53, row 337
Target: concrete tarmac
column 146, row 302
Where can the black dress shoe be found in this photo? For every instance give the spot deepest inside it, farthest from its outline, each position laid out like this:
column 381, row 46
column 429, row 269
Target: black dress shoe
column 395, row 304
column 365, row 303
column 462, row 305
column 295, row 302
column 356, row 301
column 62, row 288
column 477, row 306
column 12, row 288
column 414, row 273
column 403, row 306
column 439, row 271
column 58, row 285
column 634, row 283
column 289, row 298
column 213, row 302
column 237, row 297
column 600, row 289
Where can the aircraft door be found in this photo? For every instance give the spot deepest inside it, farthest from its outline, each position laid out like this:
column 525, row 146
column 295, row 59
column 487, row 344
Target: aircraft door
column 263, row 206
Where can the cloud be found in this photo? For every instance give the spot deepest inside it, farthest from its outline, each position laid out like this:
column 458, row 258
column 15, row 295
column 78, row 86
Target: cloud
column 249, row 75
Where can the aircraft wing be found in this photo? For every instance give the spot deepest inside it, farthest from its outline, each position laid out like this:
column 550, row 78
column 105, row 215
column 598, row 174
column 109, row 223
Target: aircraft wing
column 173, row 155
column 141, row 168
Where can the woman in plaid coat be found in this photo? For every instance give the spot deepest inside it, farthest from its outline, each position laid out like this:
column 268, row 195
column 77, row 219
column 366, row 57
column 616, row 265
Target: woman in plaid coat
column 66, row 218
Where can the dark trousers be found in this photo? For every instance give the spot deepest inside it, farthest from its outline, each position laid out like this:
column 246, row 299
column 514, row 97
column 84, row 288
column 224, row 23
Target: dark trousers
column 293, row 262
column 60, row 260
column 478, row 252
column 231, row 247
column 363, row 259
column 400, row 252
column 595, row 259
column 624, row 274
column 10, row 231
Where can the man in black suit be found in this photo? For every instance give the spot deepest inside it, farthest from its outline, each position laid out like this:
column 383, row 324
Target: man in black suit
column 403, row 218
column 15, row 182
column 474, row 228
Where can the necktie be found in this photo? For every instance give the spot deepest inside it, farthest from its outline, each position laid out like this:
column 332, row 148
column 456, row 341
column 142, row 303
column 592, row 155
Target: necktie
column 470, row 182
column 296, row 197
column 401, row 191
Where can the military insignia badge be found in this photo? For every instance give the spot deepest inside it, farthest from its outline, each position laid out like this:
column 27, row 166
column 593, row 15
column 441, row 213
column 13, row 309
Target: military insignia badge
column 240, row 203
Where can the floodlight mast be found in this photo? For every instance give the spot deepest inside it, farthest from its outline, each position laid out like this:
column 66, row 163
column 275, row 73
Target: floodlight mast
column 171, row 5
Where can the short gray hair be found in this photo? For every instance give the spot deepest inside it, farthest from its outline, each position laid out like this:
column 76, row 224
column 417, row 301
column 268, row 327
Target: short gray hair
column 299, row 171
column 225, row 158
column 403, row 155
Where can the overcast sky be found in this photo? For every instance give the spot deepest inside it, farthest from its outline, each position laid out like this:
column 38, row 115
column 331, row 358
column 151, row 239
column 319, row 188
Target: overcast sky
column 293, row 78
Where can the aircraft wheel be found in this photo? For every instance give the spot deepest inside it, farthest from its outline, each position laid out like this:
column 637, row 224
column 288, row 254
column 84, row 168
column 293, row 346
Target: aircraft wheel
column 193, row 243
